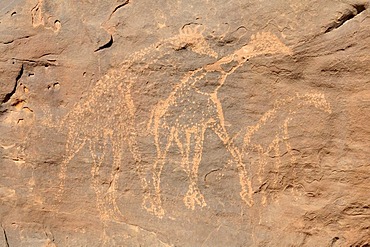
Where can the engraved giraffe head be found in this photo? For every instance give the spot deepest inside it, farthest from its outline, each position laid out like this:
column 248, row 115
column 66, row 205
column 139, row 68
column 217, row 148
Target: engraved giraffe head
column 191, row 37
column 263, row 43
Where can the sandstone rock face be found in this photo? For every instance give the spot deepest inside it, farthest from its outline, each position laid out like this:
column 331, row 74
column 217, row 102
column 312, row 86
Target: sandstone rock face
column 185, row 123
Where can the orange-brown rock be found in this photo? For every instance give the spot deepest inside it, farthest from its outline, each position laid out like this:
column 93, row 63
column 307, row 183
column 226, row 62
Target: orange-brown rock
column 185, row 123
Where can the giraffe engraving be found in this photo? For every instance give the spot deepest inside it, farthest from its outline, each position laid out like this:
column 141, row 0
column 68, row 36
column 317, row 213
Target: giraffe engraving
column 107, row 117
column 190, row 110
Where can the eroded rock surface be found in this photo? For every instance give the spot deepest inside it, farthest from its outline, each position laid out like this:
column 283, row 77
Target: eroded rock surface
column 184, row 123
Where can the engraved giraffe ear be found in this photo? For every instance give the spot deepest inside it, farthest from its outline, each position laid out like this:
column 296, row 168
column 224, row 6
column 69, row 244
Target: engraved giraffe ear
column 267, row 43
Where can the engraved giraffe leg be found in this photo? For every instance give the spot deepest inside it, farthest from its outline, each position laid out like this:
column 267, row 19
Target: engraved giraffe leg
column 193, row 195
column 133, row 146
column 129, row 128
column 111, row 197
column 73, row 146
column 103, row 201
column 246, row 186
column 95, row 169
column 153, row 202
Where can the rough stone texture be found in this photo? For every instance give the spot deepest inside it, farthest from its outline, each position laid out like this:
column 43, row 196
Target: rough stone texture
column 185, row 123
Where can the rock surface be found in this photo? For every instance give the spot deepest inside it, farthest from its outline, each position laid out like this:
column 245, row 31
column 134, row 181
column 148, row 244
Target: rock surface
column 185, row 123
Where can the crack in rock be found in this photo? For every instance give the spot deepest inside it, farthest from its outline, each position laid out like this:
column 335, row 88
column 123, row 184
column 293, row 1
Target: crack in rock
column 9, row 95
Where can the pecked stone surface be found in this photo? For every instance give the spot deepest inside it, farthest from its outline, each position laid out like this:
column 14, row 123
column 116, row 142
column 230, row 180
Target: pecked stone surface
column 184, row 123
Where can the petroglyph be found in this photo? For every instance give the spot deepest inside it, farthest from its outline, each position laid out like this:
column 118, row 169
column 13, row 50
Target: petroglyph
column 105, row 121
column 283, row 112
column 41, row 18
column 37, row 18
column 94, row 122
column 190, row 110
column 107, row 116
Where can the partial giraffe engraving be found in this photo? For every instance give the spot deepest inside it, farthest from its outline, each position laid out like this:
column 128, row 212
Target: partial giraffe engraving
column 96, row 122
column 190, row 110
column 283, row 112
column 107, row 116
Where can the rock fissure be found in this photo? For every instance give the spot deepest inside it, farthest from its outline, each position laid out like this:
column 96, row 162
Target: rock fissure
column 348, row 15
column 13, row 40
column 9, row 95
column 36, row 63
column 5, row 237
column 118, row 7
column 107, row 45
column 208, row 173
